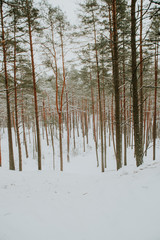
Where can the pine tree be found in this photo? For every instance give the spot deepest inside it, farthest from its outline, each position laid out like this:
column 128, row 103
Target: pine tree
column 10, row 144
column 137, row 135
column 31, row 15
column 90, row 8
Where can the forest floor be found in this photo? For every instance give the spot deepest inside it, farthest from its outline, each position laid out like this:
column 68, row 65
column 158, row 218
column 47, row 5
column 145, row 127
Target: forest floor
column 81, row 203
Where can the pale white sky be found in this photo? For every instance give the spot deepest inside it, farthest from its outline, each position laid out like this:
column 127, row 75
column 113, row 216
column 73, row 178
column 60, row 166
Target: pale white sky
column 68, row 6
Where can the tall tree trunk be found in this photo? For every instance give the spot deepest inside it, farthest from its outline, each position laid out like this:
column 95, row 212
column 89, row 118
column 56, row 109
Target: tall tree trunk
column 112, row 123
column 144, row 124
column 137, row 135
column 34, row 88
column 141, row 73
column 116, row 88
column 148, row 124
column 86, row 119
column 10, row 144
column 45, row 122
column 73, row 122
column 16, row 105
column 104, row 122
column 82, row 121
column 68, row 140
column 155, row 104
column 60, row 142
column 124, row 106
column 94, row 127
column 53, row 148
column 23, row 125
column 99, row 93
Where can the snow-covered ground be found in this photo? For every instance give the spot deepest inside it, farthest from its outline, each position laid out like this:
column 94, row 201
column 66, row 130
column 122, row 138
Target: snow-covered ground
column 81, row 203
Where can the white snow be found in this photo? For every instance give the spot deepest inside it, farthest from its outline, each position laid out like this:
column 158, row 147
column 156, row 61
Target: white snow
column 81, row 203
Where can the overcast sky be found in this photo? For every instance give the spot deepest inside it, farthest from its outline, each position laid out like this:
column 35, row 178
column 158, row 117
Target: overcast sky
column 68, row 6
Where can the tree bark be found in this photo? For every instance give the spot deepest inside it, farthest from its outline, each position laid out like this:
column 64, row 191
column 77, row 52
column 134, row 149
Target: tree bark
column 16, row 105
column 116, row 87
column 10, row 144
column 124, row 106
column 68, row 140
column 141, row 73
column 34, row 88
column 155, row 103
column 45, row 122
column 94, row 127
column 137, row 135
column 99, row 94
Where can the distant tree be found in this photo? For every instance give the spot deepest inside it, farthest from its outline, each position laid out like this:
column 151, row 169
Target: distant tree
column 90, row 19
column 58, row 27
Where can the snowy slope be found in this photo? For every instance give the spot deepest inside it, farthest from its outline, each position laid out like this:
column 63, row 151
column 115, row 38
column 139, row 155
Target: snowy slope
column 122, row 205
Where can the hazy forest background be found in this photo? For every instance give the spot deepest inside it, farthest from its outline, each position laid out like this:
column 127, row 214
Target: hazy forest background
column 63, row 82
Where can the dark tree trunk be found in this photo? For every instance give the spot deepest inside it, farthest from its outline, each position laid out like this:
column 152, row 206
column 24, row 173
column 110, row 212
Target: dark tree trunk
column 137, row 135
column 141, row 75
column 116, row 88
column 124, row 106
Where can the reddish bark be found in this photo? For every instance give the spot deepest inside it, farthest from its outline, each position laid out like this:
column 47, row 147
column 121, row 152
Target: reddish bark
column 10, row 144
column 34, row 88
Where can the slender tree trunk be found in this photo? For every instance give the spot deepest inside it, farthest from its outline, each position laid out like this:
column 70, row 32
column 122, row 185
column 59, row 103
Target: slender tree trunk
column 144, row 125
column 112, row 117
column 77, row 123
column 148, row 123
column 83, row 132
column 104, row 121
column 16, row 105
column 53, row 148
column 73, row 123
column 60, row 142
column 24, row 131
column 124, row 102
column 86, row 120
column 116, row 88
column 34, row 88
column 155, row 105
column 137, row 135
column 109, row 126
column 141, row 72
column 10, row 144
column 45, row 124
column 99, row 94
column 68, row 140
column 94, row 127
